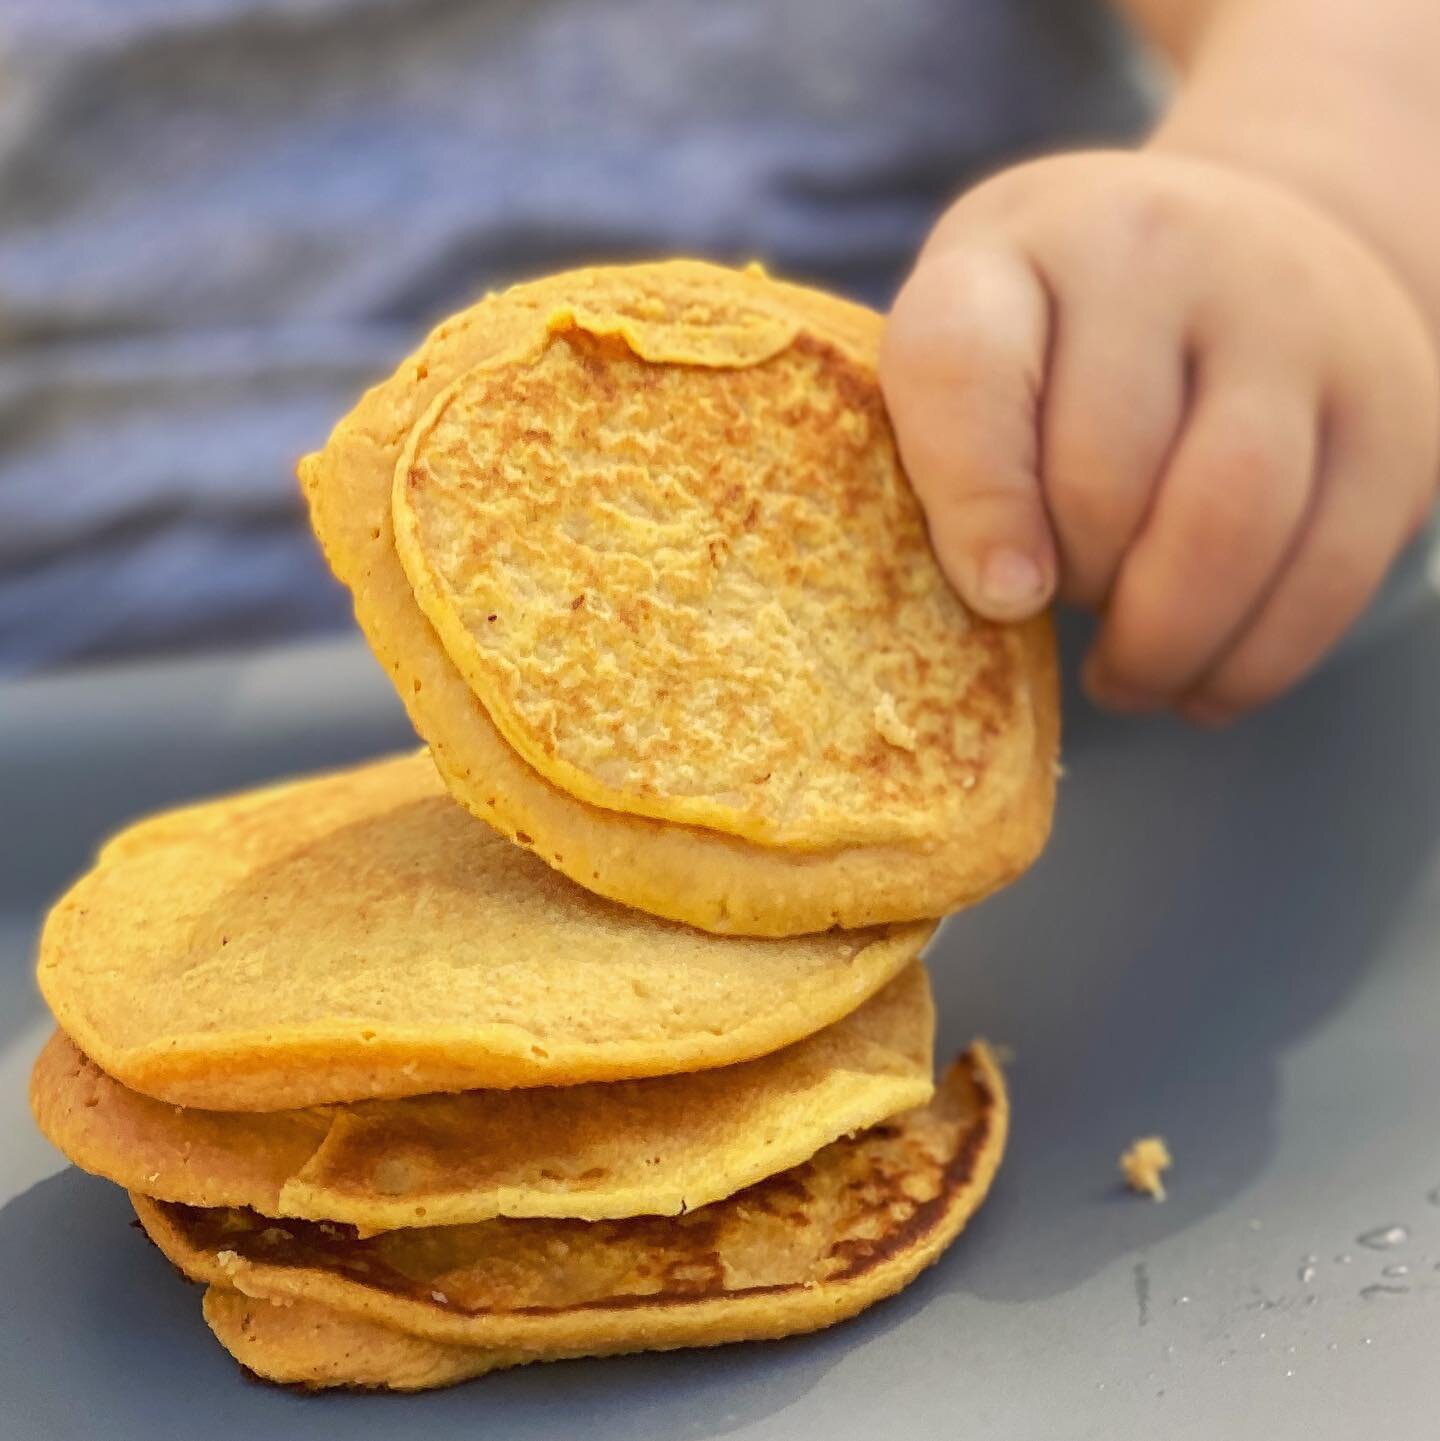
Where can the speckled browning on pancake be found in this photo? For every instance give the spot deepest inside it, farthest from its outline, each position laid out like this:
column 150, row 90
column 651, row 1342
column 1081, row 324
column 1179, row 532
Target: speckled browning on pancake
column 698, row 874
column 800, row 1250
column 706, row 594
column 359, row 935
column 621, row 1148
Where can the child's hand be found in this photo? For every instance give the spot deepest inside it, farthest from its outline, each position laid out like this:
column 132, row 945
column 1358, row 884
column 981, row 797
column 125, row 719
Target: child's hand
column 1179, row 395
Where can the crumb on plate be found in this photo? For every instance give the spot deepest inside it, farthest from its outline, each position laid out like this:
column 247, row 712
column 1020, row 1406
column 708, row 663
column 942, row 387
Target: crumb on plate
column 1143, row 1165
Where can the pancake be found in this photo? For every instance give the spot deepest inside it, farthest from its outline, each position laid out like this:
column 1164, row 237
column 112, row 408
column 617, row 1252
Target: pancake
column 636, row 548
column 625, row 1148
column 801, row 1250
column 358, row 935
column 297, row 1344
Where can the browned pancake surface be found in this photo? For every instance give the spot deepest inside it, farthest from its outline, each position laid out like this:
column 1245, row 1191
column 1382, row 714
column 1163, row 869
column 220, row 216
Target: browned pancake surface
column 802, row 1249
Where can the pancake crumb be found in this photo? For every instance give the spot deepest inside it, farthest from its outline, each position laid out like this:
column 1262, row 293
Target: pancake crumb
column 1143, row 1165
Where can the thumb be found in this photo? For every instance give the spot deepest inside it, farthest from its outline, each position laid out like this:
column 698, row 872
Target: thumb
column 962, row 363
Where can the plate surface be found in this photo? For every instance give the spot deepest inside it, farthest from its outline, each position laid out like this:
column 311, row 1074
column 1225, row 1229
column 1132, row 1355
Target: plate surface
column 1232, row 940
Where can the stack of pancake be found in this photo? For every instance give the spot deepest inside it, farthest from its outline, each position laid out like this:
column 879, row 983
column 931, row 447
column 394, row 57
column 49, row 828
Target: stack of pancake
column 598, row 1025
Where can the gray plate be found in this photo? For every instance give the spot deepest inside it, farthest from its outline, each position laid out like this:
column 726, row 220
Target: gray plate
column 1232, row 940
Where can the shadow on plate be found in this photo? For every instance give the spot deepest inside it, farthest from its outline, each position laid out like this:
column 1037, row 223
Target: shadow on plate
column 99, row 1326
column 1207, row 901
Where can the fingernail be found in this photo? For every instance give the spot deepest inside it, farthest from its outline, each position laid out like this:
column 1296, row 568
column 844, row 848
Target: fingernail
column 1011, row 583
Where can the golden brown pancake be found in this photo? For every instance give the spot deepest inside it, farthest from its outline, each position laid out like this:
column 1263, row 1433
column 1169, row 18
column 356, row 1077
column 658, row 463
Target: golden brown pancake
column 625, row 1148
column 295, row 1343
column 801, row 1250
column 636, row 548
column 358, row 935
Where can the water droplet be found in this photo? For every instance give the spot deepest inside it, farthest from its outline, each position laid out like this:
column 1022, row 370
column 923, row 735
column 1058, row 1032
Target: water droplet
column 1182, row 1300
column 1099, row 1385
column 1378, row 1289
column 1384, row 1238
column 1290, row 1350
column 1396, row 1270
column 1369, row 1341
column 1344, row 1259
column 1333, row 1346
column 1262, row 1335
column 1289, row 1374
column 1307, row 1273
column 1169, row 1350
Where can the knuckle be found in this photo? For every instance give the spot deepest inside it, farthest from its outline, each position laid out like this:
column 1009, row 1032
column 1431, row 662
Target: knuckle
column 1297, row 279
column 1002, row 495
column 1245, row 491
column 909, row 339
column 988, row 465
column 1084, row 500
column 1220, row 525
column 1146, row 234
column 929, row 335
column 1250, row 458
column 1153, row 217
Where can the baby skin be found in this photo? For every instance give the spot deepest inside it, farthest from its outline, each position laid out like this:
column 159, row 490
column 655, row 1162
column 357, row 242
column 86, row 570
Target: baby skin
column 1195, row 387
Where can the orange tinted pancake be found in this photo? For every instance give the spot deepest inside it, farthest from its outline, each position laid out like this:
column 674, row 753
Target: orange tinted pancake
column 726, row 685
column 803, row 1249
column 621, row 1148
column 359, row 935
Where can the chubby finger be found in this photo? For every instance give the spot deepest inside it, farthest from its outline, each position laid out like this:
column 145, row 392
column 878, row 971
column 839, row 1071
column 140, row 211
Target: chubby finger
column 1228, row 512
column 1114, row 399
column 1360, row 518
column 962, row 365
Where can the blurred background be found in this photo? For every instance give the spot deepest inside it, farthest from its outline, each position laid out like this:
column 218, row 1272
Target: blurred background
column 220, row 219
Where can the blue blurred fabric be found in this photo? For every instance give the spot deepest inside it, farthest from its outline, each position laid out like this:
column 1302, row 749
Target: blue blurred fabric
column 220, row 218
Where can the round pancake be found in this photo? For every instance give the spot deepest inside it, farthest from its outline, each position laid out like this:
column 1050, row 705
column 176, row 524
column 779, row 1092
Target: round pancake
column 358, row 935
column 623, row 1148
column 801, row 1250
column 705, row 593
column 636, row 549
